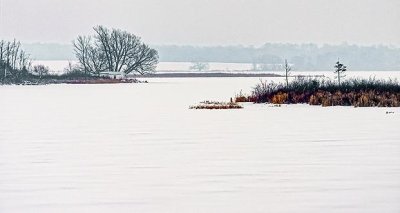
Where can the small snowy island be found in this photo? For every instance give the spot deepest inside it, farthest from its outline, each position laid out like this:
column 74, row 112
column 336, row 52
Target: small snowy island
column 216, row 105
column 353, row 92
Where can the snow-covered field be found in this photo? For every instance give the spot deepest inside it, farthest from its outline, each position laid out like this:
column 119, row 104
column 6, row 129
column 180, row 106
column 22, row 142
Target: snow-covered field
column 138, row 148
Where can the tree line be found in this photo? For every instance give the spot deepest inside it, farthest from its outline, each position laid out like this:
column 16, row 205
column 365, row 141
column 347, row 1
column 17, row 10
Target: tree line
column 14, row 61
column 270, row 56
column 108, row 50
column 266, row 57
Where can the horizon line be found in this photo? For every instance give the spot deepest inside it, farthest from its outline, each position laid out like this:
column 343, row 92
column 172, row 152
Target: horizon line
column 391, row 45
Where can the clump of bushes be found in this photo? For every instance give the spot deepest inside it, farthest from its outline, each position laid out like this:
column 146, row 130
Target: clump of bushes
column 353, row 92
column 216, row 105
column 240, row 98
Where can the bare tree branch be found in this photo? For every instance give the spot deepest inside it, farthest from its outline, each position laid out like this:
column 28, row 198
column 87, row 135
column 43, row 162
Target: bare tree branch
column 115, row 50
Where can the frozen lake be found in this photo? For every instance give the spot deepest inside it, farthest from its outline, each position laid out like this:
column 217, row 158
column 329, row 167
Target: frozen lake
column 59, row 66
column 138, row 148
column 171, row 67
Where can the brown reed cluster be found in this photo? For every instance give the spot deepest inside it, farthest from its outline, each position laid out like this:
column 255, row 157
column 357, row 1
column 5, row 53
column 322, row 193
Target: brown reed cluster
column 354, row 92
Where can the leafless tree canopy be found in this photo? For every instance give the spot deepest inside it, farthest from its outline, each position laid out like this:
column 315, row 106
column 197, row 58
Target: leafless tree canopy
column 114, row 50
column 200, row 66
column 40, row 70
column 13, row 60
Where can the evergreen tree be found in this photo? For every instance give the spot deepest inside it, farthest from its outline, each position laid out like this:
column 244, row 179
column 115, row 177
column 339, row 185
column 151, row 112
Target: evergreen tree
column 339, row 71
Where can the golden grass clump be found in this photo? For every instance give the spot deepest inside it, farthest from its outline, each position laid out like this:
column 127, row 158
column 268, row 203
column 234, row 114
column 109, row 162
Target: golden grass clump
column 241, row 99
column 279, row 98
column 374, row 99
column 356, row 99
column 244, row 99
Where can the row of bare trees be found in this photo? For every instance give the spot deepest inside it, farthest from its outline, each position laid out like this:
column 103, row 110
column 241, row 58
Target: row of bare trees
column 108, row 50
column 113, row 50
column 14, row 61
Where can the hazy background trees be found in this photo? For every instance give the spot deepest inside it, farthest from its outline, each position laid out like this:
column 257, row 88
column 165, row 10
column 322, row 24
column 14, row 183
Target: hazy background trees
column 199, row 66
column 308, row 57
column 266, row 57
column 114, row 50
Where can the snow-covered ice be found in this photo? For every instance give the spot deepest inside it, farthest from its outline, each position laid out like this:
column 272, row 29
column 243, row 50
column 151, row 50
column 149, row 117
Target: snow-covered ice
column 138, row 148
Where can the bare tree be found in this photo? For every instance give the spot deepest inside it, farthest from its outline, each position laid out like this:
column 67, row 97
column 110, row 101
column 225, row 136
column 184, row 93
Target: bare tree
column 13, row 60
column 114, row 50
column 287, row 68
column 200, row 66
column 82, row 46
column 339, row 70
column 2, row 57
column 24, row 62
column 41, row 70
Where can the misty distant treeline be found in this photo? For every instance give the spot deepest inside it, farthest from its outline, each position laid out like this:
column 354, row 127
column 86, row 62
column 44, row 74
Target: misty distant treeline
column 301, row 56
column 50, row 51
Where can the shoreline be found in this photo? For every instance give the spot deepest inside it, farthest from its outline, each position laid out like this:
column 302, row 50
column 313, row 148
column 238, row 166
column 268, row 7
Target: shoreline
column 207, row 75
column 142, row 78
column 35, row 82
column 217, row 75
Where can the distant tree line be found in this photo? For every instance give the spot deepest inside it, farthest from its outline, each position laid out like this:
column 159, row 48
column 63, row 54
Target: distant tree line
column 302, row 56
column 267, row 57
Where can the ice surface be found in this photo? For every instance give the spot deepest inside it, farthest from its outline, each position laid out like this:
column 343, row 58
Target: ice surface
column 138, row 148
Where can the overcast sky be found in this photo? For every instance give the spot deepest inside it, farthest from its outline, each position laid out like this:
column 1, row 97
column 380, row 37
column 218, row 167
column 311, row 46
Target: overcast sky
column 207, row 22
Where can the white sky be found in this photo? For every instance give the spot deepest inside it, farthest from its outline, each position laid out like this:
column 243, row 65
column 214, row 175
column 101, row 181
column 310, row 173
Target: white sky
column 207, row 22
